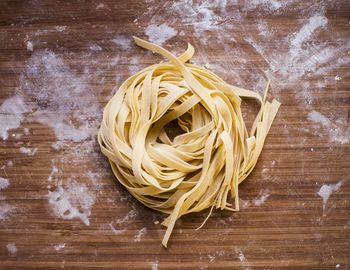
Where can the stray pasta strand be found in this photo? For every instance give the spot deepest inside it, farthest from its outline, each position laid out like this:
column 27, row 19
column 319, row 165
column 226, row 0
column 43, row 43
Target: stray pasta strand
column 198, row 169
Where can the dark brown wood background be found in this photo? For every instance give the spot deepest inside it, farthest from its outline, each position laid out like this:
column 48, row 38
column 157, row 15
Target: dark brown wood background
column 288, row 231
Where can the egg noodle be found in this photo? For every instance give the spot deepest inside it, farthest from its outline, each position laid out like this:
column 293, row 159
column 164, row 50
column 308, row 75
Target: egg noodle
column 202, row 166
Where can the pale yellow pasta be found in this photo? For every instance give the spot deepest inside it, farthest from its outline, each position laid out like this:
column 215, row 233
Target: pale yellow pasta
column 198, row 169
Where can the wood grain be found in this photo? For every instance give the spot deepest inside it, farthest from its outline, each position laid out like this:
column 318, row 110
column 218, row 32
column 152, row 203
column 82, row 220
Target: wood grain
column 288, row 231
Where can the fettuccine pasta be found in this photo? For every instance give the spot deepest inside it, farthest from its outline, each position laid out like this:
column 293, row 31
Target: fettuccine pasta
column 197, row 169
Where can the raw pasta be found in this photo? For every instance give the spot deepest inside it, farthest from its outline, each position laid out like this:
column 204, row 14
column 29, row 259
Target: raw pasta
column 197, row 169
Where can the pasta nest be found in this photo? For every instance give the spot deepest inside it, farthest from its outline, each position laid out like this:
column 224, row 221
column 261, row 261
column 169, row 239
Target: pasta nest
column 202, row 166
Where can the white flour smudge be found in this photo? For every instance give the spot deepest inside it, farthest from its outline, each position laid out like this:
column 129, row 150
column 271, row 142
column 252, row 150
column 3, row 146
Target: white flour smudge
column 326, row 191
column 11, row 114
column 242, row 258
column 122, row 42
column 263, row 195
column 53, row 172
column 257, row 201
column 134, row 65
column 11, row 249
column 271, row 5
column 61, row 28
column 306, row 32
column 59, row 246
column 55, row 93
column 28, row 151
column 263, row 29
column 95, row 48
column 114, row 230
column 6, row 210
column 212, row 257
column 4, row 183
column 74, row 201
column 140, row 234
column 30, row 46
column 100, row 6
column 160, row 34
column 338, row 131
column 154, row 265
column 337, row 78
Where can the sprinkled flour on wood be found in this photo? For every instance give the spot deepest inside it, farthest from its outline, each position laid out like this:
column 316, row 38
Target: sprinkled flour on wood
column 261, row 198
column 160, row 34
column 73, row 201
column 122, row 42
column 6, row 210
column 11, row 114
column 11, row 249
column 59, row 246
column 55, row 93
column 154, row 265
column 140, row 234
column 338, row 131
column 326, row 191
column 114, row 230
column 28, row 151
column 95, row 48
column 4, row 183
column 30, row 46
column 305, row 33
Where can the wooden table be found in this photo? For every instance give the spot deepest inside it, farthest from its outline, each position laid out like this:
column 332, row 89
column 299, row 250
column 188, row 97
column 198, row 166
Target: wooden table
column 63, row 58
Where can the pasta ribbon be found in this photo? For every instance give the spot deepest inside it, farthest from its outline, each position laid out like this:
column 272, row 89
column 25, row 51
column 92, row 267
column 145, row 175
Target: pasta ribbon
column 201, row 167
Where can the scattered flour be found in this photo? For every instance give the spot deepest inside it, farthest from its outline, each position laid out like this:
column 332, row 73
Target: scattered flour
column 59, row 246
column 212, row 257
column 28, row 151
column 53, row 172
column 326, row 191
column 11, row 249
column 257, row 201
column 56, row 97
column 336, row 132
column 4, row 183
column 114, row 230
column 134, row 66
column 263, row 195
column 11, row 114
column 154, row 265
column 242, row 258
column 6, row 210
column 100, row 6
column 160, row 34
column 140, row 234
column 95, row 48
column 317, row 117
column 61, row 28
column 337, row 78
column 30, row 46
column 263, row 29
column 306, row 32
column 272, row 5
column 123, row 42
column 72, row 201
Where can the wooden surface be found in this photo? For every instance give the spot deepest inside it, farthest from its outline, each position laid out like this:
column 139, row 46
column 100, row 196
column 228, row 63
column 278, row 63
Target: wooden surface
column 289, row 230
